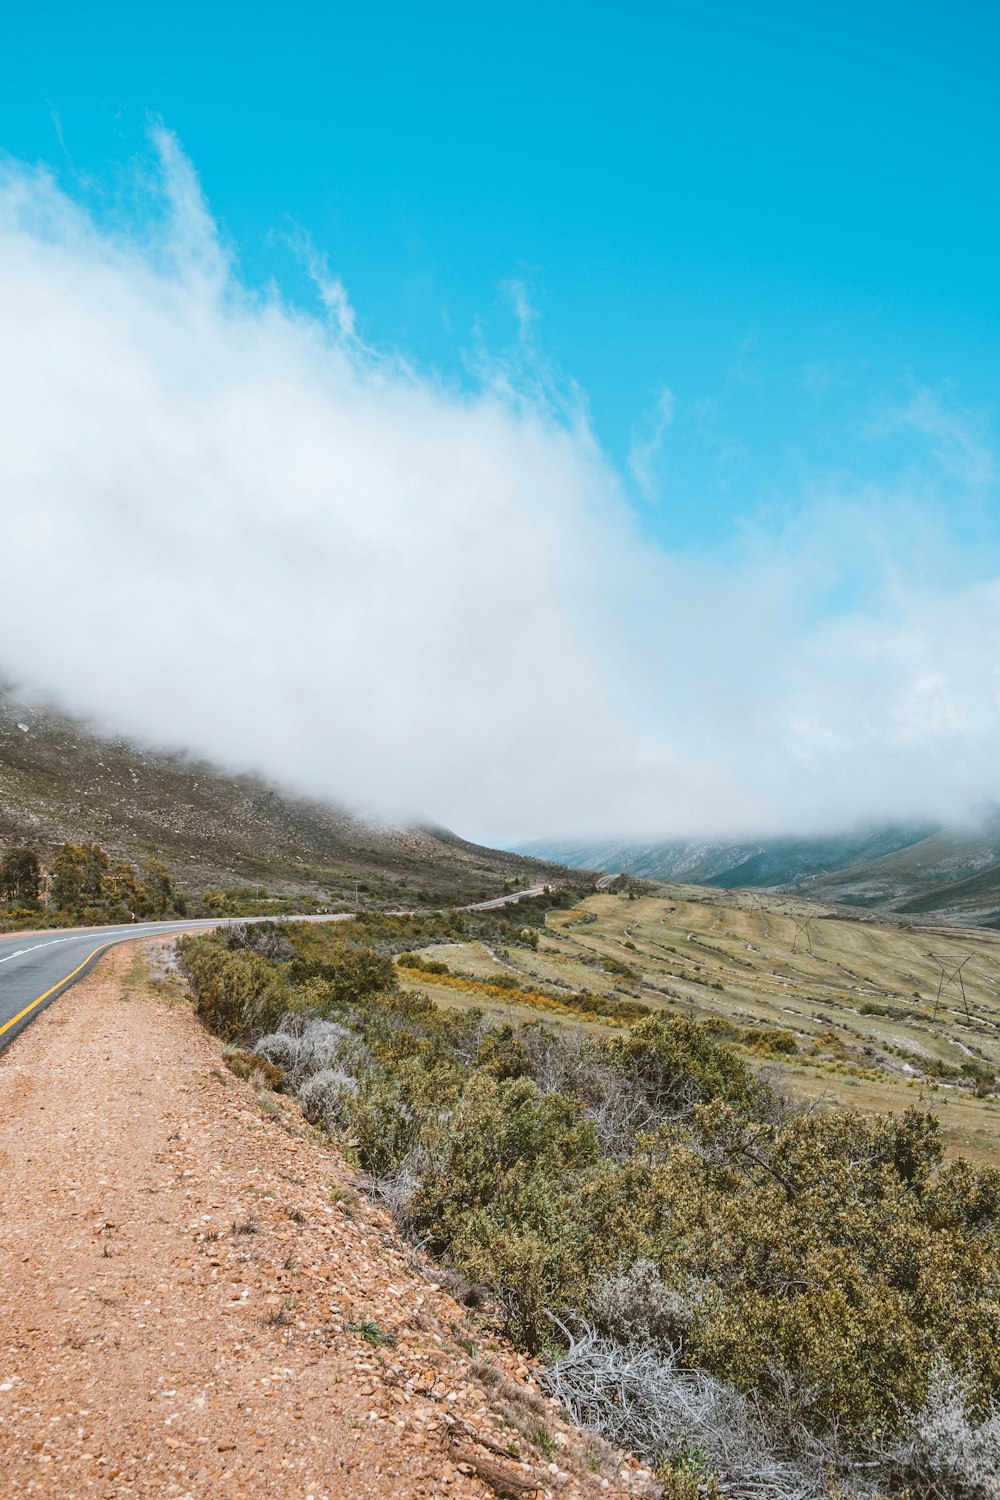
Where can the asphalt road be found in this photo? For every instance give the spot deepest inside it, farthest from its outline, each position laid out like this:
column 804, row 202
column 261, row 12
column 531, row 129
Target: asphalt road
column 37, row 967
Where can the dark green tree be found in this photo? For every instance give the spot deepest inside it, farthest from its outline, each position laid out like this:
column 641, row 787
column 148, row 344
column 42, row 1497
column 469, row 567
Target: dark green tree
column 20, row 877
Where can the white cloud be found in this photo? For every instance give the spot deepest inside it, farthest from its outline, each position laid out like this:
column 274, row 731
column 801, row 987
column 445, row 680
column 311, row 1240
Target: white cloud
column 231, row 526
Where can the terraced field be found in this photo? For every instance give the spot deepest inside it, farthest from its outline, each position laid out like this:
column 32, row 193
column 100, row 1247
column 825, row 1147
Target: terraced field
column 837, row 1010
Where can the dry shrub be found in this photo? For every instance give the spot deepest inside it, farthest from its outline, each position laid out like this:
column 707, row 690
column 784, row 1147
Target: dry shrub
column 945, row 1454
column 256, row 1070
column 645, row 1402
column 326, row 1096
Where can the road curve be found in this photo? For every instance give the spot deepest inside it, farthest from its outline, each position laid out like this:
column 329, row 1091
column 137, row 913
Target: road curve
column 510, row 899
column 37, row 967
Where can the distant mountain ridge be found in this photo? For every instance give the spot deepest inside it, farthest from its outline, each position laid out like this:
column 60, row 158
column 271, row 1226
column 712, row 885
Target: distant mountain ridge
column 765, row 862
column 923, row 872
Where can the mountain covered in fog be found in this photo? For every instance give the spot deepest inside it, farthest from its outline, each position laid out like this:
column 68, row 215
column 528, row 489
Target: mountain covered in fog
column 61, row 780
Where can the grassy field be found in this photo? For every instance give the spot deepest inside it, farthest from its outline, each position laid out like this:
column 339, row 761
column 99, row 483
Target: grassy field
column 840, row 1012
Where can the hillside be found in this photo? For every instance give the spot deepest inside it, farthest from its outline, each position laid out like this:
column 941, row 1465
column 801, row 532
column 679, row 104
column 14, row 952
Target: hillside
column 845, row 1009
column 951, row 873
column 60, row 781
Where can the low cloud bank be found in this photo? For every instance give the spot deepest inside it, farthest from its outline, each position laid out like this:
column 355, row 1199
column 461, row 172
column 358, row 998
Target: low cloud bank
column 232, row 526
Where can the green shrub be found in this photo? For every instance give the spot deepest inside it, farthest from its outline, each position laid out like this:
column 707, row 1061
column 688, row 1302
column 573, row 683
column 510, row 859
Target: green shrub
column 676, row 1064
column 495, row 1195
column 608, row 1005
column 425, row 965
column 383, row 1120
column 769, row 1041
column 984, row 1078
column 353, row 974
column 616, row 966
column 239, row 996
column 505, row 981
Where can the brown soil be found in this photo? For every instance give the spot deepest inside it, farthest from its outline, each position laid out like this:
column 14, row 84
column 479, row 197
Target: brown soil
column 187, row 1279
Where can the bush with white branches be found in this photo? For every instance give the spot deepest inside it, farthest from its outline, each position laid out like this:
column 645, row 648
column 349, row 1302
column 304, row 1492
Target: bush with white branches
column 325, row 1097
column 644, row 1401
column 304, row 1049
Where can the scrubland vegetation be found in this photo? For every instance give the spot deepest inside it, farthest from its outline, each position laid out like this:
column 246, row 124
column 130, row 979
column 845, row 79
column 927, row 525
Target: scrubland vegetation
column 762, row 1298
column 847, row 1013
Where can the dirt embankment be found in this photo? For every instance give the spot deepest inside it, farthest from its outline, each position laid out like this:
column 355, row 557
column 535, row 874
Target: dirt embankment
column 198, row 1302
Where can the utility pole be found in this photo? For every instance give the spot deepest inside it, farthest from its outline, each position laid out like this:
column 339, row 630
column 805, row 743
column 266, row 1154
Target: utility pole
column 951, row 976
column 803, row 929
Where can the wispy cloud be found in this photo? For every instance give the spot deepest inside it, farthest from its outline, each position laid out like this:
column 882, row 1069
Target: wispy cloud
column 645, row 450
column 228, row 524
column 524, row 312
column 959, row 438
column 57, row 127
column 329, row 287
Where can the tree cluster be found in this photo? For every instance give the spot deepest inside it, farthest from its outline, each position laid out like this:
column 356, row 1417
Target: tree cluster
column 85, row 884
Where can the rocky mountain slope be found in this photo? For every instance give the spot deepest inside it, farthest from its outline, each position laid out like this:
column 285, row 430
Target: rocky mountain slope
column 61, row 781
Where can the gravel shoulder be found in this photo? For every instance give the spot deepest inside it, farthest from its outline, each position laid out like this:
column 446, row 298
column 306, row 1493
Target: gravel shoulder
column 190, row 1278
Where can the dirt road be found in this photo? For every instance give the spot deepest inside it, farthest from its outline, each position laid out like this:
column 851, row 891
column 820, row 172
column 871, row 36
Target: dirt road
column 188, row 1277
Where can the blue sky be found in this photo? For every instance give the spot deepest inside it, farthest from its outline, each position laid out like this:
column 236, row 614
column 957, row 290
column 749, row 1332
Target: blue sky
column 785, row 214
column 490, row 341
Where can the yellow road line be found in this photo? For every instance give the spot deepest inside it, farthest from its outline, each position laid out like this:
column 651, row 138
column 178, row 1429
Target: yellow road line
column 65, row 980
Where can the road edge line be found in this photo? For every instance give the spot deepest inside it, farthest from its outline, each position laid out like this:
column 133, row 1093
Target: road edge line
column 57, row 986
